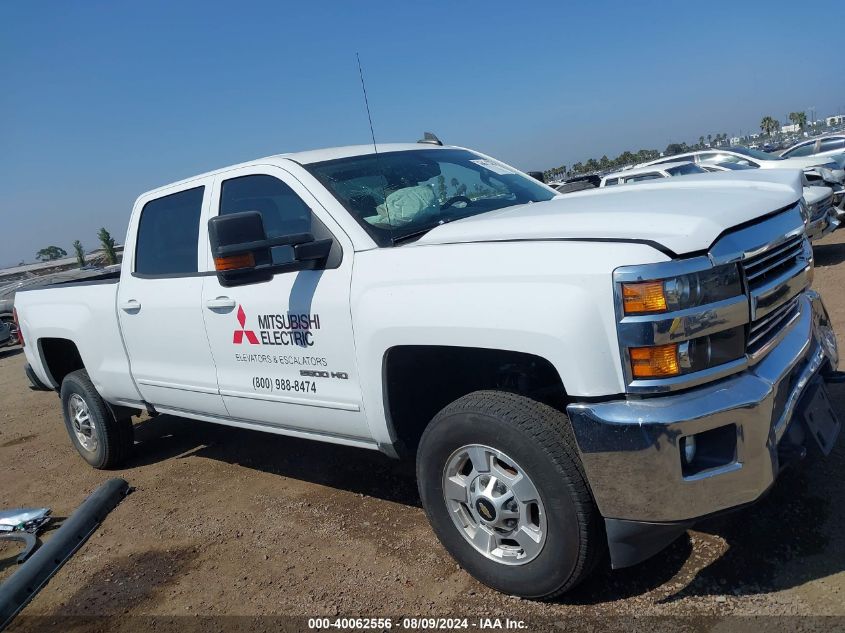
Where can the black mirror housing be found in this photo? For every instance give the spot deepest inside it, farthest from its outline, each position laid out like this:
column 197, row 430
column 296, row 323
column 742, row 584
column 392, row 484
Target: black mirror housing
column 242, row 251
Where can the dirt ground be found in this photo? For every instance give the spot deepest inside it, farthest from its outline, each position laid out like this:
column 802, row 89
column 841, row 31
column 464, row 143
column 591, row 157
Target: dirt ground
column 232, row 522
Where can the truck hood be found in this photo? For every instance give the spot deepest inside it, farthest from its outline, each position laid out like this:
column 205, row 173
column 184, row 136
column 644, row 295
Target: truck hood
column 682, row 214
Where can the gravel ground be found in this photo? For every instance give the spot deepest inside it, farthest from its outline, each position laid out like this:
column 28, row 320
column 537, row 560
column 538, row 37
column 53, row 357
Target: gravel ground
column 228, row 522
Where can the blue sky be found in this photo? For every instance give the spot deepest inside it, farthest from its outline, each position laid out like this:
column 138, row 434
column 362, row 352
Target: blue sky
column 103, row 100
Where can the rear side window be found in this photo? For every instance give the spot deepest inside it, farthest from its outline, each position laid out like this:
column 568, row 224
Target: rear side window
column 167, row 234
column 830, row 144
column 611, row 181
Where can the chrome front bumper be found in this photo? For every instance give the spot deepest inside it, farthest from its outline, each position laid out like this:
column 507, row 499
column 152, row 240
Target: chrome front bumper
column 826, row 224
column 631, row 448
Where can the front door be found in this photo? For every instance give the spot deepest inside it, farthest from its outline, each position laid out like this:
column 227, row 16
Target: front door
column 283, row 348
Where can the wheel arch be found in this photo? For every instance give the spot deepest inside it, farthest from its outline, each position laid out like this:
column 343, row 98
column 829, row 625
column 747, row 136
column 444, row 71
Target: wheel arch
column 59, row 357
column 420, row 380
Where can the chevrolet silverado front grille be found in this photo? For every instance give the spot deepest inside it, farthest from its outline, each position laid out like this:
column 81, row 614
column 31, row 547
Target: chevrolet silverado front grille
column 763, row 332
column 768, row 265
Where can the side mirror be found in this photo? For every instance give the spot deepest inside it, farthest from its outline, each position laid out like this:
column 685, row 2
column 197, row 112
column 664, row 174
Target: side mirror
column 243, row 253
column 537, row 175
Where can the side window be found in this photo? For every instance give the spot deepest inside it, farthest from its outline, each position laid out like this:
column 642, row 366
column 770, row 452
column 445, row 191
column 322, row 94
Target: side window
column 802, row 150
column 167, row 234
column 830, row 144
column 709, row 157
column 611, row 181
column 282, row 211
column 642, row 177
column 732, row 158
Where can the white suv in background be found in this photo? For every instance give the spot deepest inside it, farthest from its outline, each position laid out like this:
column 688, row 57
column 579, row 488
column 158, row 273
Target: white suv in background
column 640, row 174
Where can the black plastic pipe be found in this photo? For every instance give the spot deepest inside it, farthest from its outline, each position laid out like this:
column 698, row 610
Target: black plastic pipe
column 33, row 575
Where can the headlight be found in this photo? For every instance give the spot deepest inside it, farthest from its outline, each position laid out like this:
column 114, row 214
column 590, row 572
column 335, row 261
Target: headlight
column 804, row 210
column 670, row 326
column 677, row 359
column 681, row 292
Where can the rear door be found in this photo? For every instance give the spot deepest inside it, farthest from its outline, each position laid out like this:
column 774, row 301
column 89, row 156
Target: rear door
column 284, row 348
column 158, row 302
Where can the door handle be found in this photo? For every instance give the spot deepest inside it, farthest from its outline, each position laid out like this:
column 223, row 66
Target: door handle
column 220, row 303
column 130, row 305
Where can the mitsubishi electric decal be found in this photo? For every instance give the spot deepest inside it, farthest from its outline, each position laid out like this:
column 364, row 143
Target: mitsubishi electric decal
column 278, row 329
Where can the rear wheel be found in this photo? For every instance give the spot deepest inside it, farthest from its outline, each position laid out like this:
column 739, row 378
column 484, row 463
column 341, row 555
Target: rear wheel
column 503, row 488
column 103, row 440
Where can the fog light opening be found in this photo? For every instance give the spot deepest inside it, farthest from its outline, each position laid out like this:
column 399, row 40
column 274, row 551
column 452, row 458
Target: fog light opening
column 707, row 450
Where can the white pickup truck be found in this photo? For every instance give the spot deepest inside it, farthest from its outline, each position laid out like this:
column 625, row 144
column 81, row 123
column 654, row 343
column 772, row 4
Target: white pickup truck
column 573, row 373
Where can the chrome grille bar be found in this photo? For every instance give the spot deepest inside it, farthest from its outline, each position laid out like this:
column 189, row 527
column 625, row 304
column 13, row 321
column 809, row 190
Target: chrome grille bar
column 760, row 329
column 781, row 256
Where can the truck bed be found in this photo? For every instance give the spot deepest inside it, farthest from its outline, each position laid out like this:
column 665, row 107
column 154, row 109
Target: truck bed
column 85, row 313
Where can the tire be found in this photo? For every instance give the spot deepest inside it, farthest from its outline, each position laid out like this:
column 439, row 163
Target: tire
column 522, row 437
column 101, row 439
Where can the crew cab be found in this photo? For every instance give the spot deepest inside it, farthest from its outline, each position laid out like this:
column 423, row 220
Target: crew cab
column 572, row 373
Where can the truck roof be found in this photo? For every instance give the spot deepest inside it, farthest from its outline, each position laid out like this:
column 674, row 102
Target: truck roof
column 309, row 156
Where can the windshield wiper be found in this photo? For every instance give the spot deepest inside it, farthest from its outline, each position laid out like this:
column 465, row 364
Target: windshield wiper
column 407, row 237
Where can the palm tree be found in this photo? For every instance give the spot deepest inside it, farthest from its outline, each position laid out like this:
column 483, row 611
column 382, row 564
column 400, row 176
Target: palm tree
column 769, row 125
column 802, row 120
column 80, row 253
column 108, row 245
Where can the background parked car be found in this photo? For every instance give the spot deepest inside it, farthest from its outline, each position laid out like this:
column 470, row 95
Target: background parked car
column 816, row 168
column 579, row 183
column 640, row 174
column 5, row 334
column 823, row 146
column 837, row 191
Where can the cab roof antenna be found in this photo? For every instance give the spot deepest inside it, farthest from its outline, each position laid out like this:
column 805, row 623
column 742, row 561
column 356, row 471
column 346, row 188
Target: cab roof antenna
column 366, row 103
column 373, row 135
column 430, row 138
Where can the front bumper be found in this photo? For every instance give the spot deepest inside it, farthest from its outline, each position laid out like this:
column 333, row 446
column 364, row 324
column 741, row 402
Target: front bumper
column 826, row 224
column 631, row 448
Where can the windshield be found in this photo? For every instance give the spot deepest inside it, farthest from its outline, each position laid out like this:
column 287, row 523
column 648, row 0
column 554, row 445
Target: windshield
column 395, row 195
column 754, row 153
column 684, row 170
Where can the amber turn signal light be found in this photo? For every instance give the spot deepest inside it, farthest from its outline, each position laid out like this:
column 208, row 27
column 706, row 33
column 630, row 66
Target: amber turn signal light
column 645, row 296
column 660, row 361
column 233, row 262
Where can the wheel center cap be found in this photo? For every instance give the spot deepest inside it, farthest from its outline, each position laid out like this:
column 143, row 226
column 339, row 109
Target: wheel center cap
column 485, row 509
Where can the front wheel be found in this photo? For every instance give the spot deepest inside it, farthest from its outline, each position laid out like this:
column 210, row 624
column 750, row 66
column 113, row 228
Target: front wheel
column 503, row 488
column 103, row 440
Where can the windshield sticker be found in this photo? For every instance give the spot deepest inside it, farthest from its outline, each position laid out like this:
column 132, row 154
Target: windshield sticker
column 496, row 168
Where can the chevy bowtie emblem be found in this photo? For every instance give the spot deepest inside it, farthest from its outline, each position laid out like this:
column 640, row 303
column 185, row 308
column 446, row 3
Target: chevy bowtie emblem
column 239, row 334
